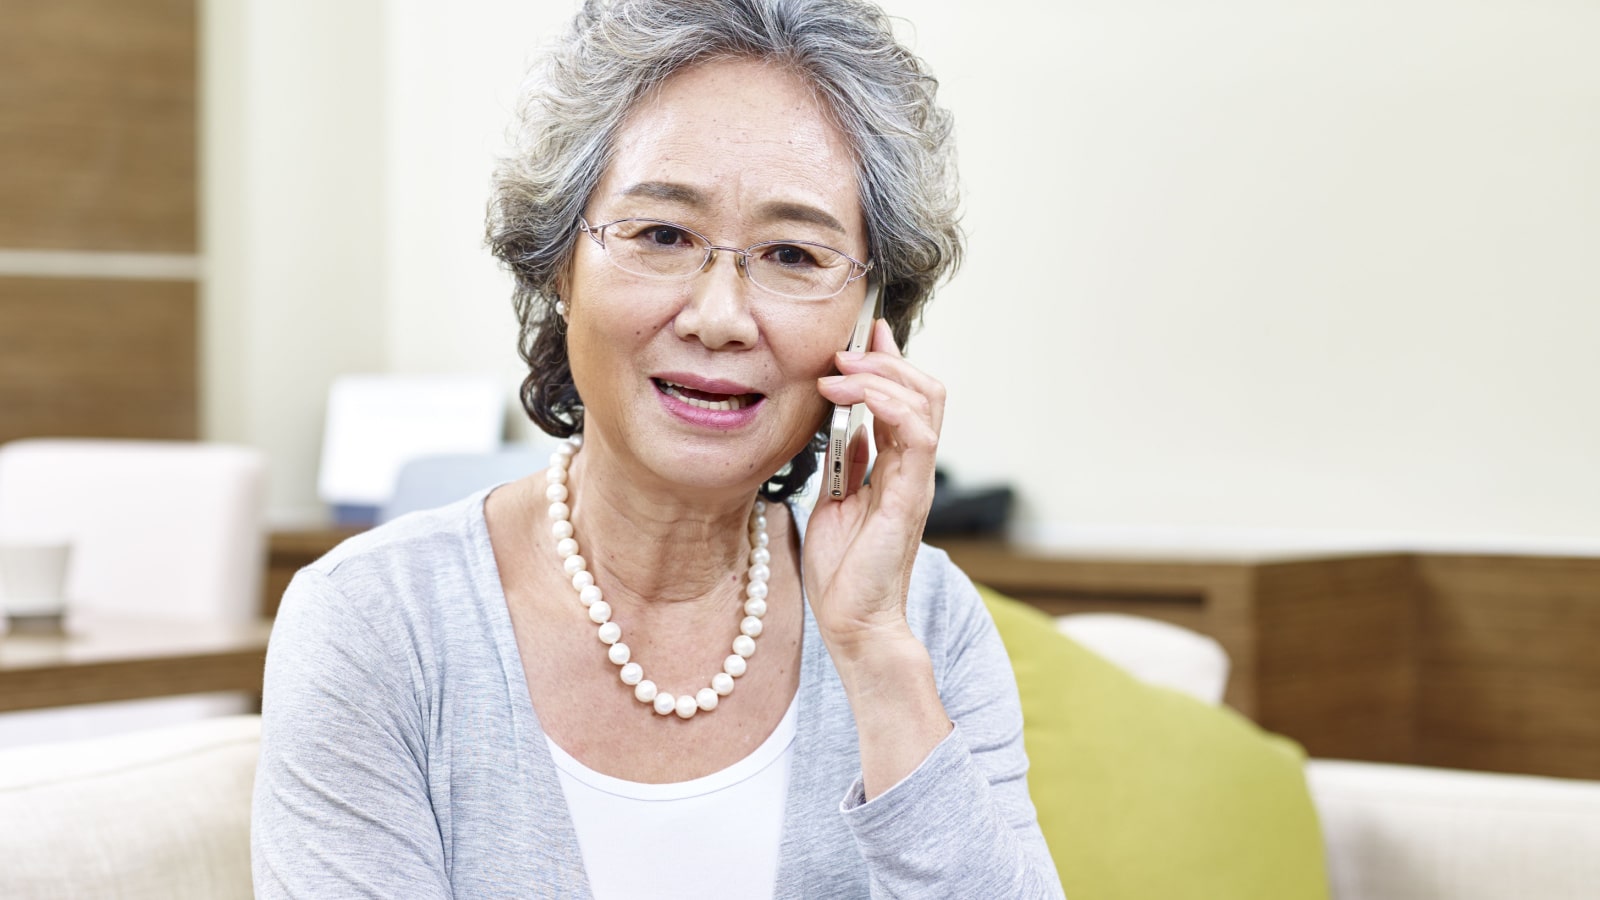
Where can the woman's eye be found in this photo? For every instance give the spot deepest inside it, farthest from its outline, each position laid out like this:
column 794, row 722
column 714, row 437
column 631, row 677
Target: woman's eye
column 665, row 236
column 790, row 255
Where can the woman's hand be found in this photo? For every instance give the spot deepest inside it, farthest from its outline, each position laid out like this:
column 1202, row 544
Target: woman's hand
column 858, row 551
column 857, row 560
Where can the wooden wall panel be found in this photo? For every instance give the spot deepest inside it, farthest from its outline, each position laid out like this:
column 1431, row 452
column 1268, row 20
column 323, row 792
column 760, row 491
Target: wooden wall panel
column 1511, row 718
column 97, row 125
column 97, row 358
column 1336, row 664
column 1511, row 664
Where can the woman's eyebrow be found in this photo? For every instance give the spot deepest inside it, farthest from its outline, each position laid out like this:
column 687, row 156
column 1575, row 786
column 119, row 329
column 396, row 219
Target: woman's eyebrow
column 772, row 210
column 783, row 210
column 668, row 191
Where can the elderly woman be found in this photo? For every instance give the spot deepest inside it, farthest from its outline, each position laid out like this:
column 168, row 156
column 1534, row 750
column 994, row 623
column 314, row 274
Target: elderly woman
column 645, row 671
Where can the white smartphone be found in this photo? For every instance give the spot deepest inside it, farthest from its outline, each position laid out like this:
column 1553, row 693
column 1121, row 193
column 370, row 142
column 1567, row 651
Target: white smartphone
column 848, row 426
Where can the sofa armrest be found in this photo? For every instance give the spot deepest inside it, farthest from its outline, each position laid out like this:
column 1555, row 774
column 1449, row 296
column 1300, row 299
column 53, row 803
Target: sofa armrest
column 163, row 812
column 1401, row 832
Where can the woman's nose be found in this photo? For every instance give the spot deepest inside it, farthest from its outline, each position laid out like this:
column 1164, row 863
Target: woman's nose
column 716, row 311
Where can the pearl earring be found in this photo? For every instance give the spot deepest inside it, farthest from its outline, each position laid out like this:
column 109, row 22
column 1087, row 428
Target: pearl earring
column 561, row 308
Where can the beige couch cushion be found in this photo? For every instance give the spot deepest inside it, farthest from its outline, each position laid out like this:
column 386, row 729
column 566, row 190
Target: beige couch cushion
column 1413, row 833
column 161, row 813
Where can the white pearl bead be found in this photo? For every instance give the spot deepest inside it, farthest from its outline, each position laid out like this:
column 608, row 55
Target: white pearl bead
column 555, row 492
column 722, row 683
column 759, row 573
column 734, row 665
column 761, row 539
column 582, row 580
column 558, row 460
column 600, row 612
column 644, row 691
column 618, row 653
column 576, row 440
column 610, row 633
column 687, row 706
column 574, row 564
column 761, row 506
column 588, row 594
column 756, row 590
column 632, row 673
column 562, row 529
column 760, row 523
column 755, row 606
column 559, row 512
column 760, row 555
column 555, row 475
column 751, row 626
column 745, row 646
column 665, row 703
column 566, row 547
column 706, row 699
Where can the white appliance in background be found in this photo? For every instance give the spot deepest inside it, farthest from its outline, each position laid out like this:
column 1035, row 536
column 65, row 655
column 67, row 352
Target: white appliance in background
column 378, row 423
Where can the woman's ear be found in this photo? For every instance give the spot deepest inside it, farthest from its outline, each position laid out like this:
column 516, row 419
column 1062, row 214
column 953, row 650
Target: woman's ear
column 563, row 290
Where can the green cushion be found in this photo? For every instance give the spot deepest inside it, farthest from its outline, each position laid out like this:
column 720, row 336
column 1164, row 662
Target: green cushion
column 1147, row 793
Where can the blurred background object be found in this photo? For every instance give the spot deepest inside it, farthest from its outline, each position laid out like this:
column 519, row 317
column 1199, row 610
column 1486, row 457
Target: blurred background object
column 968, row 511
column 429, row 481
column 378, row 423
column 168, row 532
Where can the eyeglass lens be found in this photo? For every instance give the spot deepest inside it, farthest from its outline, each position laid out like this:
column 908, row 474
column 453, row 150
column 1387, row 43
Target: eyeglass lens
column 796, row 269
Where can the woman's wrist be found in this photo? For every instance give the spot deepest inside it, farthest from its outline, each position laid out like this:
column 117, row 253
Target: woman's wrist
column 899, row 717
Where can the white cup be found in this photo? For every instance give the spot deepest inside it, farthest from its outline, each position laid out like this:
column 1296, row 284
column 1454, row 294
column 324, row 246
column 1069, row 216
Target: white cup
column 33, row 578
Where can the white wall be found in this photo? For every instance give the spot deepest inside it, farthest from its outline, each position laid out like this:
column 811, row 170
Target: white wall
column 1312, row 268
column 293, row 215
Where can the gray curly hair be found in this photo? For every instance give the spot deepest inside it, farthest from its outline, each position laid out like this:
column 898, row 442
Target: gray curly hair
column 881, row 97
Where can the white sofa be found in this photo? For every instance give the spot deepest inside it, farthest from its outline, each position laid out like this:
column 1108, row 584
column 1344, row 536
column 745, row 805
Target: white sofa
column 165, row 813
column 159, row 813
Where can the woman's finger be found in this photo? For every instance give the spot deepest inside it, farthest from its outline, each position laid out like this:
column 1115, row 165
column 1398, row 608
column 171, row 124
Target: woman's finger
column 912, row 431
column 885, row 359
column 847, row 389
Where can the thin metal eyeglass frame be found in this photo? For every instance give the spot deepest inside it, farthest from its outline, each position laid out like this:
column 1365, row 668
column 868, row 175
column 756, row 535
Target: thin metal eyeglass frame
column 596, row 233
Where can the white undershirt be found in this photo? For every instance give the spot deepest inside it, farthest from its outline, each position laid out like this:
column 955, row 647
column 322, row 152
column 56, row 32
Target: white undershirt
column 715, row 836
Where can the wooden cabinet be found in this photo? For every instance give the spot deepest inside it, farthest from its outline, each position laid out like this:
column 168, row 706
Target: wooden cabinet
column 1475, row 662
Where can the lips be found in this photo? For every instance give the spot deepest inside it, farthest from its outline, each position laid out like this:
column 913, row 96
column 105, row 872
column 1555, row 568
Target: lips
column 713, row 395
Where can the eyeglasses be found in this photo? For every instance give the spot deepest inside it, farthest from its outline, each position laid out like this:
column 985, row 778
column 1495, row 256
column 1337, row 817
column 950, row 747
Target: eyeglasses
column 649, row 248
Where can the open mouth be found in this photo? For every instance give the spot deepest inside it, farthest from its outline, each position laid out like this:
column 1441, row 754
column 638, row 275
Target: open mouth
column 705, row 399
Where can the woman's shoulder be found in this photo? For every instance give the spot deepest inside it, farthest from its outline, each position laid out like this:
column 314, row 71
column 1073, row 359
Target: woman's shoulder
column 417, row 541
column 406, row 565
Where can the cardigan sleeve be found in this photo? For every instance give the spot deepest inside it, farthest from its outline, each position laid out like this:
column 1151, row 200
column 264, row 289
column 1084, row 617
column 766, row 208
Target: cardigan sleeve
column 962, row 823
column 341, row 805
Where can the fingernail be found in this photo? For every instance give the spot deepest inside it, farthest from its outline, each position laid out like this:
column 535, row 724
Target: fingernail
column 852, row 355
column 831, row 379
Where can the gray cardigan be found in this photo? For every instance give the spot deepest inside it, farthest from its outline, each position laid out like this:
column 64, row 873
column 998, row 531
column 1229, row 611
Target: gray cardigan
column 401, row 757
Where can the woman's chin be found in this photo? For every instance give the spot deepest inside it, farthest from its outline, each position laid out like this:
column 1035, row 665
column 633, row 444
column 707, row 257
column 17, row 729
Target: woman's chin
column 710, row 465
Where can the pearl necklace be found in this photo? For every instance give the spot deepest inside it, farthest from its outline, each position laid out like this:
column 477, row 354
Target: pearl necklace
column 610, row 633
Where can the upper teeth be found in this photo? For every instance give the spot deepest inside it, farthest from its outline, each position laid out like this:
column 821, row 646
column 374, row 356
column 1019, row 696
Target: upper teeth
column 737, row 401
